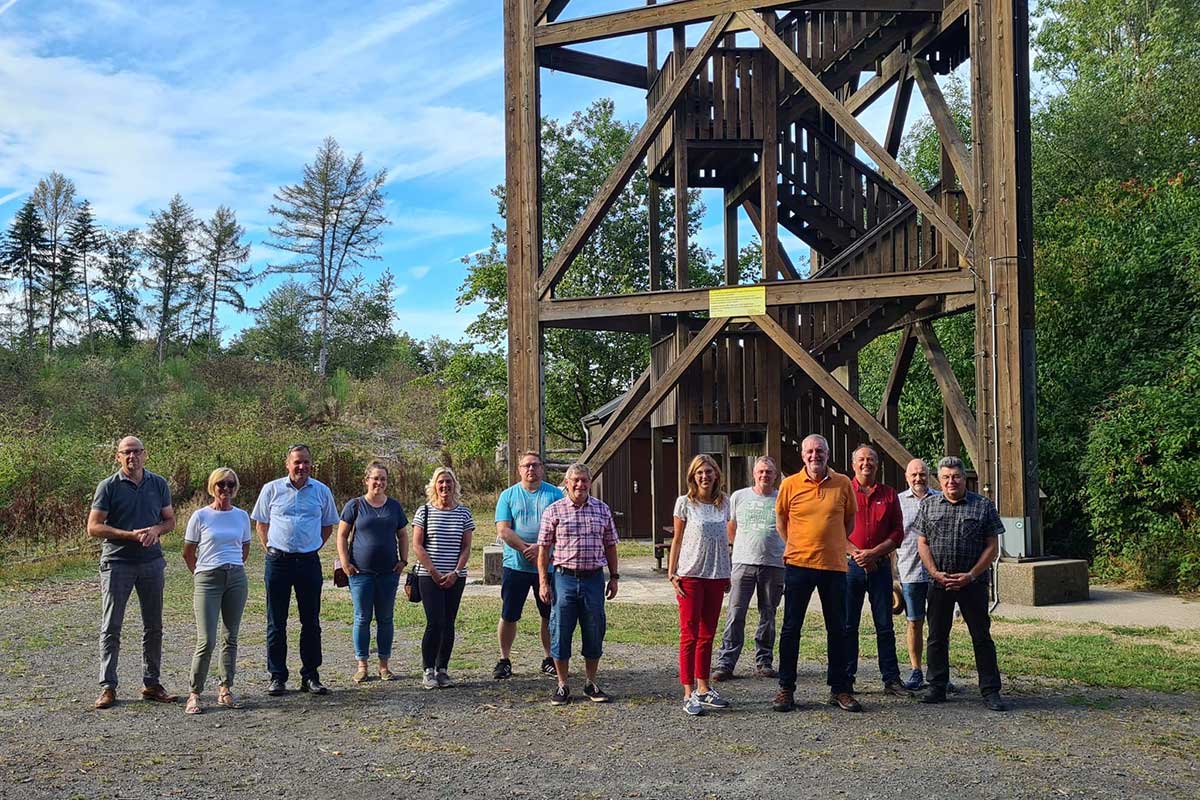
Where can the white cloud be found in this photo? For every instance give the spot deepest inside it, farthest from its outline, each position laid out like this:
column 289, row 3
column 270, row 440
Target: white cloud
column 419, row 272
column 7, row 5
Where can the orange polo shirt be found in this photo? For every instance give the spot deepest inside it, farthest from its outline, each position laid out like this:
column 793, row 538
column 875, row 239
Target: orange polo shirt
column 816, row 513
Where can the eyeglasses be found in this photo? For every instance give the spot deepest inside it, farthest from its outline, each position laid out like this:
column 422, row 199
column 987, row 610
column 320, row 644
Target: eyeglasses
column 133, row 451
column 226, row 485
column 532, row 465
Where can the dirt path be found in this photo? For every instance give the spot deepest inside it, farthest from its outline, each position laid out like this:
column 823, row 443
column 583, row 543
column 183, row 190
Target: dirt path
column 484, row 739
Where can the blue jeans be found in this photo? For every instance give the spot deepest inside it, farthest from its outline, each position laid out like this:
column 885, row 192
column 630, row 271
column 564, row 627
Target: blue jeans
column 373, row 595
column 798, row 585
column 577, row 601
column 877, row 586
column 282, row 574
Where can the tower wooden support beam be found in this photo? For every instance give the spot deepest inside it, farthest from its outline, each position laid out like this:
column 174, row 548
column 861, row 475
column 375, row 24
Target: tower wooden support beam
column 948, row 133
column 523, row 230
column 952, row 394
column 778, row 293
column 628, row 164
column 835, row 391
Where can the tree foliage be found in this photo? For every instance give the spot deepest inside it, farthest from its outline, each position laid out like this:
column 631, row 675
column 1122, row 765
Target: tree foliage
column 331, row 222
column 169, row 253
column 24, row 258
column 223, row 251
column 85, row 245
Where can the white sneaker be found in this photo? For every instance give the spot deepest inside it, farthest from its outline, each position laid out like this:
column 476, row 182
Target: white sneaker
column 430, row 680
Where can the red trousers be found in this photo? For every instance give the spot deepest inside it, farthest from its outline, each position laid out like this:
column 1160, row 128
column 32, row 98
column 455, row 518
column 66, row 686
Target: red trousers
column 699, row 609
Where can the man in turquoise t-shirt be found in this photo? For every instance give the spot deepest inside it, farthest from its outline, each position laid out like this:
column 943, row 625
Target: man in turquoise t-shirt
column 518, row 519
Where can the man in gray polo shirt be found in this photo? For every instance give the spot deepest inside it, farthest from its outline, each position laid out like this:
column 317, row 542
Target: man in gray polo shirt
column 131, row 512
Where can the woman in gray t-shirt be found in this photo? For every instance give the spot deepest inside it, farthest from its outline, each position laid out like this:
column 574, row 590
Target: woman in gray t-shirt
column 698, row 567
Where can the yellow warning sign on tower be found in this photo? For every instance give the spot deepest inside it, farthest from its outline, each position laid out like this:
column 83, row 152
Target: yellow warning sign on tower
column 741, row 301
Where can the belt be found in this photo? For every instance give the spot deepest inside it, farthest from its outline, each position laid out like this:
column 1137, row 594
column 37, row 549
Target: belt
column 275, row 552
column 579, row 573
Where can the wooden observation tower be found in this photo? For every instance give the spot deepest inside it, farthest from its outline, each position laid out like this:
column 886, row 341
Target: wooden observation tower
column 763, row 106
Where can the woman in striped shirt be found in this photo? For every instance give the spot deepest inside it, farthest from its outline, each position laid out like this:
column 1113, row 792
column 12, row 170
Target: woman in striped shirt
column 442, row 531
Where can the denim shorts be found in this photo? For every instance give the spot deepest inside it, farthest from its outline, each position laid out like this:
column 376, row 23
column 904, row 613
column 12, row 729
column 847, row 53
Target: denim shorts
column 514, row 591
column 914, row 600
column 578, row 602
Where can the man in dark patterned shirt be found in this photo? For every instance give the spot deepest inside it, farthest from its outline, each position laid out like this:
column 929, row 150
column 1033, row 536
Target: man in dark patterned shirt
column 958, row 537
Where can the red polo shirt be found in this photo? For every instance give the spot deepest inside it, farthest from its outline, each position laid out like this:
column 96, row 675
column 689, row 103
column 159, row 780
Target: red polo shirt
column 878, row 518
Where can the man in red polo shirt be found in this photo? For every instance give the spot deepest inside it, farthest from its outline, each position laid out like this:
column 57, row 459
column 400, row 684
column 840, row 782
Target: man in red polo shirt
column 878, row 530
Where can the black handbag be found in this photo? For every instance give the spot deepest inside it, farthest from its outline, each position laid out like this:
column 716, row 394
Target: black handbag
column 412, row 587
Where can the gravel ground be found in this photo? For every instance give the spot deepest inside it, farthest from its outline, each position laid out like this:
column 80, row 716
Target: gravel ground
column 489, row 739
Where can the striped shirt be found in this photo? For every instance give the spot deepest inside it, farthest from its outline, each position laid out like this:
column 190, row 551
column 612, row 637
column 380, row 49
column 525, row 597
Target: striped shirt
column 444, row 532
column 578, row 535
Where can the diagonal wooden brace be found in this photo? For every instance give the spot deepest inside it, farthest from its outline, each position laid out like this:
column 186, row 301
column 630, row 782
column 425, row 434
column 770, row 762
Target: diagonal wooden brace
column 836, row 392
column 952, row 393
column 624, row 169
column 656, row 393
column 636, row 392
column 842, row 116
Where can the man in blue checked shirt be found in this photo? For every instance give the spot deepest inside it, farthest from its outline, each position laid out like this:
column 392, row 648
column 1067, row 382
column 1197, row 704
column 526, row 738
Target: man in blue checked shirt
column 294, row 517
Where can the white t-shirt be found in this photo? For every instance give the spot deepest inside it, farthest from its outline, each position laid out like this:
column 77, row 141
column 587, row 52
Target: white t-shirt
column 220, row 536
column 757, row 542
column 704, row 550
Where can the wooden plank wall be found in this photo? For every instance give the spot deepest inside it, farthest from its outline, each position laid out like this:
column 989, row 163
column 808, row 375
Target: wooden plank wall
column 723, row 388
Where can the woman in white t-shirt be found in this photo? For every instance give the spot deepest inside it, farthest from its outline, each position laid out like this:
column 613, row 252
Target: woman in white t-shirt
column 698, row 567
column 215, row 547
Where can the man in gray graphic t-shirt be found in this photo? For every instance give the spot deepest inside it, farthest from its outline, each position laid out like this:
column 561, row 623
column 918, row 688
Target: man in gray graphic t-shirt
column 757, row 570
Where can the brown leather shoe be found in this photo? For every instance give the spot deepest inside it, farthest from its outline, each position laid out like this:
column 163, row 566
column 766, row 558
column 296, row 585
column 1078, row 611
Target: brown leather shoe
column 157, row 694
column 765, row 672
column 784, row 700
column 106, row 699
column 720, row 675
column 845, row 701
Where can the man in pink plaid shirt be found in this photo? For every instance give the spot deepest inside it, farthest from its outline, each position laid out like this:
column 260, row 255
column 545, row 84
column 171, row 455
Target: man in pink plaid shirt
column 580, row 530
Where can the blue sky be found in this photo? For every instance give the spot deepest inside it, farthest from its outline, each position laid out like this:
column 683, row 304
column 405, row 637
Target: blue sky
column 223, row 102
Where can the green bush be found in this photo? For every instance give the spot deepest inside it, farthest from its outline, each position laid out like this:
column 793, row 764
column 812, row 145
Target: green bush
column 1142, row 488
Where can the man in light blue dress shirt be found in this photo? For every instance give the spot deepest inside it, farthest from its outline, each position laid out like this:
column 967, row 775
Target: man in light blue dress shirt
column 294, row 517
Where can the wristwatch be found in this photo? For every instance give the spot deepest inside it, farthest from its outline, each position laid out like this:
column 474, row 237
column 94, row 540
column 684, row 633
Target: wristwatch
column 614, row 576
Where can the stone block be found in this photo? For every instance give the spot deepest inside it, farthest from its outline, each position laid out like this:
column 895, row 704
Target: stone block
column 1043, row 582
column 493, row 564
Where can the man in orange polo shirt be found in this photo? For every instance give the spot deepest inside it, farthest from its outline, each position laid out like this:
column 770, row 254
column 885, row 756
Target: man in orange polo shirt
column 815, row 515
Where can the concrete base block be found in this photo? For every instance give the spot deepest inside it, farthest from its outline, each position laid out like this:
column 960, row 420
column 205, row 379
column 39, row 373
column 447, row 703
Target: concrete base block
column 493, row 564
column 1042, row 583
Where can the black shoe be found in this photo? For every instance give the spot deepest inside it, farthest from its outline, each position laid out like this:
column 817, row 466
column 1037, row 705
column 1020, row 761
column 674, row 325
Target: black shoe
column 932, row 695
column 896, row 689
column 548, row 667
column 503, row 670
column 994, row 703
column 595, row 693
column 561, row 696
column 278, row 687
column 313, row 685
column 845, row 701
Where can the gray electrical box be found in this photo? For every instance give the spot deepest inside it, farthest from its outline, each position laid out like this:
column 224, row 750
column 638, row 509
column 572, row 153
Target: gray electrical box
column 1014, row 541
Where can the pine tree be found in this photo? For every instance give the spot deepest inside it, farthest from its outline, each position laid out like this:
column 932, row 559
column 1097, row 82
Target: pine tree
column 168, row 249
column 222, row 251
column 118, row 271
column 54, row 197
column 331, row 220
column 24, row 258
column 85, row 245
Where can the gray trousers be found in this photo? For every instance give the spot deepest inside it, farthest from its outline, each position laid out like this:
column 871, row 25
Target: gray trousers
column 118, row 579
column 219, row 592
column 748, row 580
